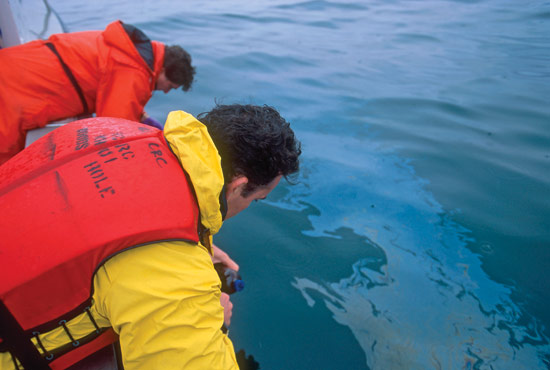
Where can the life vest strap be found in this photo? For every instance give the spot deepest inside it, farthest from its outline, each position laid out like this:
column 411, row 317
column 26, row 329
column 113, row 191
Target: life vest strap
column 91, row 317
column 18, row 343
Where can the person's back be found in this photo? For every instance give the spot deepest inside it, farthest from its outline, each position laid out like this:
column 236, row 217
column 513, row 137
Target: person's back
column 81, row 53
column 34, row 88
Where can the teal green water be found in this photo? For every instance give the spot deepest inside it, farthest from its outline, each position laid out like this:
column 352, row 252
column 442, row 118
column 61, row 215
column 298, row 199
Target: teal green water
column 418, row 234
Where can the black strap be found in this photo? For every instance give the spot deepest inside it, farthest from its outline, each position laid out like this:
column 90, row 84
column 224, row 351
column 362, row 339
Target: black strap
column 118, row 355
column 15, row 363
column 91, row 317
column 71, row 77
column 18, row 342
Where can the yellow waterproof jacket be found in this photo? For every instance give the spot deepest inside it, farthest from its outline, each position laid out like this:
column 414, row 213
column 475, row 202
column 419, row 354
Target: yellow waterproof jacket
column 163, row 299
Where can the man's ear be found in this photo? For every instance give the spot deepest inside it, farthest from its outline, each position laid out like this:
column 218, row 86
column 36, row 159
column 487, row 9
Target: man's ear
column 236, row 186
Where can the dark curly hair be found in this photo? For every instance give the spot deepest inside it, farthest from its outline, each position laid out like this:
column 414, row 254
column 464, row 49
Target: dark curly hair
column 253, row 141
column 177, row 66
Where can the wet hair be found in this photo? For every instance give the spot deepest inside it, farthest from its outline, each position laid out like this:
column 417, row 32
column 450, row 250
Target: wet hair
column 177, row 66
column 253, row 141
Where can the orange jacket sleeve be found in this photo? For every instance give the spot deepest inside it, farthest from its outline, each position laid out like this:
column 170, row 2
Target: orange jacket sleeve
column 123, row 93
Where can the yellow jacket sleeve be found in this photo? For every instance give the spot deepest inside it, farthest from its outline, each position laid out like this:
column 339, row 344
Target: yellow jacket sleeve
column 164, row 302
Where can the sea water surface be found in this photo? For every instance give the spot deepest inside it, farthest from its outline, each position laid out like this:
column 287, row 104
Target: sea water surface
column 418, row 234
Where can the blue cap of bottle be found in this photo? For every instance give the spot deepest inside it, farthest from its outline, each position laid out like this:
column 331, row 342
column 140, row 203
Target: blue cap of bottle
column 239, row 285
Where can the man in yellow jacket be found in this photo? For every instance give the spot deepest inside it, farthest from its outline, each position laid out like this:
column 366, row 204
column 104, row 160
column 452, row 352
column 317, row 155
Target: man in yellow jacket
column 163, row 299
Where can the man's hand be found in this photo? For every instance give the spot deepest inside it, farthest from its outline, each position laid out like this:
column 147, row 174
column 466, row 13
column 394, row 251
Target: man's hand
column 227, row 308
column 150, row 121
column 220, row 256
column 247, row 363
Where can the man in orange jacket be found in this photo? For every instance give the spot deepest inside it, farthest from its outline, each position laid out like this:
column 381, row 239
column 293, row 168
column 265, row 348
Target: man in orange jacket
column 110, row 73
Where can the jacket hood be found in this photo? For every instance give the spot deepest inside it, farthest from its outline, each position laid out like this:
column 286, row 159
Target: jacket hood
column 191, row 143
column 133, row 46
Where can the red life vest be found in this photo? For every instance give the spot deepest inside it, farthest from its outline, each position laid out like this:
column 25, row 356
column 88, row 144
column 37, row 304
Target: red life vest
column 76, row 197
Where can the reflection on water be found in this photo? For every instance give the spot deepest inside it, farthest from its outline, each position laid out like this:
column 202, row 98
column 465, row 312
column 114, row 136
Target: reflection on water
column 428, row 303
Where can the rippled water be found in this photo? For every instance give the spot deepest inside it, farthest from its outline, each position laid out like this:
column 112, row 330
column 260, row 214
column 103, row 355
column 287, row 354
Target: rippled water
column 418, row 235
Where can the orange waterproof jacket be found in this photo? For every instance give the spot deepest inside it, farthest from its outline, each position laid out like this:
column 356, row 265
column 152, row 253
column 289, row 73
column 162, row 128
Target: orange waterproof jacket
column 116, row 69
